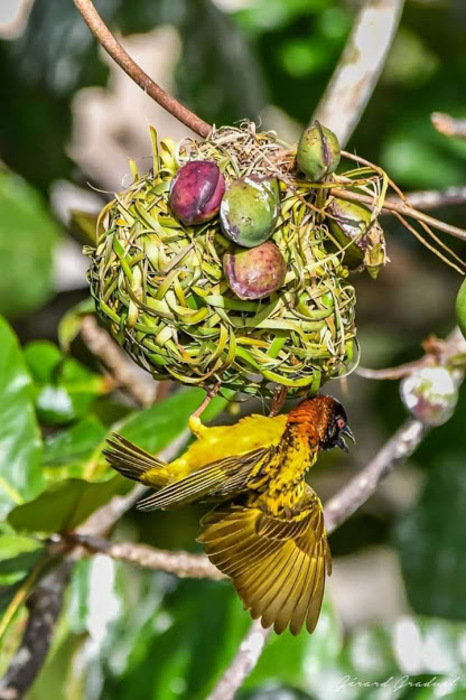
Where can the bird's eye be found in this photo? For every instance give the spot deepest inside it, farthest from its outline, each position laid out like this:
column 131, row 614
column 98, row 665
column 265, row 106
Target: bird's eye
column 341, row 423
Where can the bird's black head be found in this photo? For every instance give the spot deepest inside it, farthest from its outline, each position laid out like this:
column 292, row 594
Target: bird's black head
column 326, row 416
column 336, row 427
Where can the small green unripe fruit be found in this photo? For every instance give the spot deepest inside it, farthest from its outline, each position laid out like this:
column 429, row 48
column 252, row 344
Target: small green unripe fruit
column 362, row 241
column 461, row 308
column 250, row 209
column 318, row 152
column 255, row 273
column 348, row 222
column 430, row 394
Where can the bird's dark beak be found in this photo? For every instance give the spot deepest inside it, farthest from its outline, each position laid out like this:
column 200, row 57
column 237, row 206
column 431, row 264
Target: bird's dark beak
column 347, row 431
column 341, row 440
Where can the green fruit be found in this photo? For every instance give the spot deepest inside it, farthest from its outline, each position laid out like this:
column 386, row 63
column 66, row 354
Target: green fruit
column 318, row 152
column 255, row 273
column 363, row 242
column 461, row 308
column 250, row 209
column 348, row 222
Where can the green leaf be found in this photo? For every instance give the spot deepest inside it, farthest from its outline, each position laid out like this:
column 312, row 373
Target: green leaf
column 65, row 389
column 74, row 443
column 66, row 452
column 27, row 238
column 64, row 505
column 432, row 544
column 18, row 556
column 21, row 477
column 70, row 324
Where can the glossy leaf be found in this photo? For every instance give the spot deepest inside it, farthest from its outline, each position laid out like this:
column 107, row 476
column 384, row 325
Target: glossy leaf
column 18, row 555
column 64, row 505
column 21, row 477
column 28, row 235
column 64, row 388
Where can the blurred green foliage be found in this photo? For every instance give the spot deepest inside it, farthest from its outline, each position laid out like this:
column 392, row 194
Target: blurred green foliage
column 28, row 235
column 128, row 633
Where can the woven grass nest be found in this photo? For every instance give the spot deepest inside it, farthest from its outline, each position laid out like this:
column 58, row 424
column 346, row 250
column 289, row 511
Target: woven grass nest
column 161, row 289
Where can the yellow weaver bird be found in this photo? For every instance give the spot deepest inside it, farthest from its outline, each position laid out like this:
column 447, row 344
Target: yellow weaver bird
column 267, row 532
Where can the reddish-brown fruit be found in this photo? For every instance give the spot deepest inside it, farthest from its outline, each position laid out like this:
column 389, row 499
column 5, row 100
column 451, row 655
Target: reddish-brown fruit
column 255, row 272
column 196, row 192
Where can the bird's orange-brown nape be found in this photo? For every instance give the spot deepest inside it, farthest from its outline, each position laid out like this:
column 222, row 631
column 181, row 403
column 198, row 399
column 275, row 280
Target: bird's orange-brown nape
column 316, row 410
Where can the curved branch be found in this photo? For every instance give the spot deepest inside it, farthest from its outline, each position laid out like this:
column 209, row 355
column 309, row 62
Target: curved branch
column 434, row 199
column 391, row 207
column 106, row 39
column 123, row 371
column 44, row 605
column 359, row 68
column 245, row 660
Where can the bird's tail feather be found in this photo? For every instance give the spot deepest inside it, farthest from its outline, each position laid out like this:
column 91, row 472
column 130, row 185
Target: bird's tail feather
column 135, row 463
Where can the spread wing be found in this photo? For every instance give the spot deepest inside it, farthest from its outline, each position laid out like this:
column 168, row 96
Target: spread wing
column 277, row 565
column 221, row 479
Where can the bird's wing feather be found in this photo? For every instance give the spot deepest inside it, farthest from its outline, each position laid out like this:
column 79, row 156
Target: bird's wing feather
column 220, row 479
column 134, row 462
column 276, row 564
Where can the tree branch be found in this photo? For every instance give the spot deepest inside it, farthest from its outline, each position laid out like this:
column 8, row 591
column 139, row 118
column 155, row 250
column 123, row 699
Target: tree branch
column 359, row 68
column 245, row 660
column 449, row 126
column 433, row 199
column 124, row 373
column 119, row 55
column 44, row 605
column 182, row 564
column 399, row 208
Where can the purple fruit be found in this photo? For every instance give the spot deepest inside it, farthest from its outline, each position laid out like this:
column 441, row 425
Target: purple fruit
column 196, row 192
column 255, row 272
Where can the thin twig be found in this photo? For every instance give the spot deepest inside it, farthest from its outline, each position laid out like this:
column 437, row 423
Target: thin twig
column 359, row 68
column 437, row 352
column 403, row 209
column 245, row 660
column 449, row 126
column 106, row 39
column 44, row 605
column 394, row 372
column 143, row 389
column 433, row 199
column 183, row 564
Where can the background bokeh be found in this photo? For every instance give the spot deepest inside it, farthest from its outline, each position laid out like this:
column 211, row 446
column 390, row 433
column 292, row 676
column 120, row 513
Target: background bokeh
column 70, row 120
